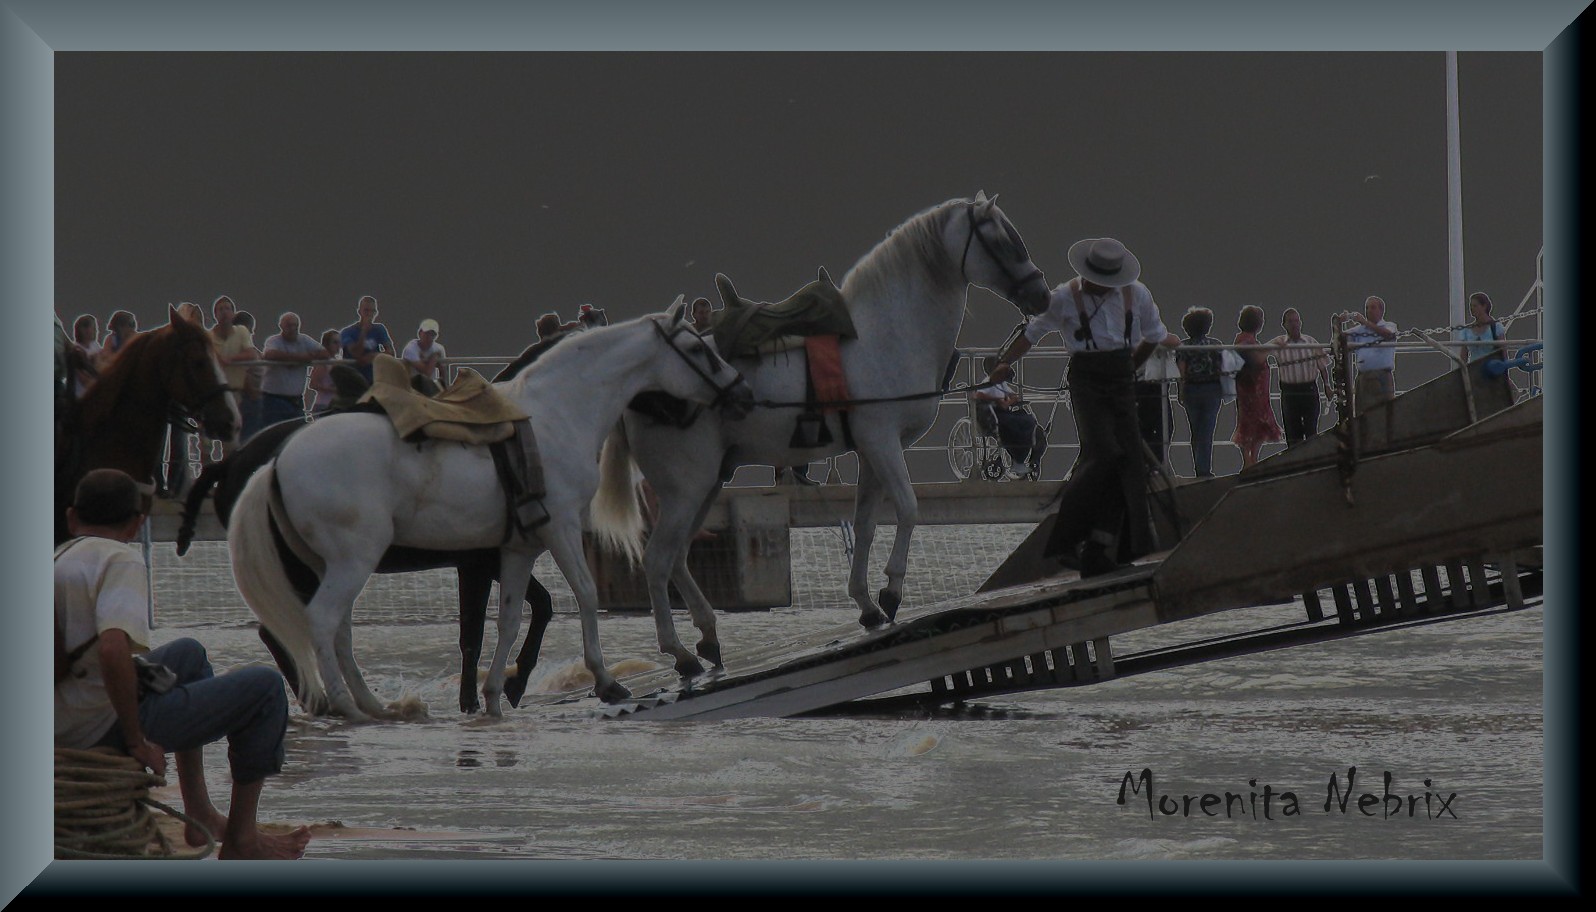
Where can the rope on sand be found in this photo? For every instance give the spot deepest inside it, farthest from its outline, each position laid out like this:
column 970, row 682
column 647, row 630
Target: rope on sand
column 102, row 809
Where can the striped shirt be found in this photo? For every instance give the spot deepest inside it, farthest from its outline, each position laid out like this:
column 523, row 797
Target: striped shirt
column 1299, row 365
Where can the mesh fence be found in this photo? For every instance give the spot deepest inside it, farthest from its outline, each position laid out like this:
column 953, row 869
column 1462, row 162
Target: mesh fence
column 944, row 562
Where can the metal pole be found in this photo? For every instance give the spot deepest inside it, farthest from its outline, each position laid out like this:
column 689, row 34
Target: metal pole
column 1454, row 198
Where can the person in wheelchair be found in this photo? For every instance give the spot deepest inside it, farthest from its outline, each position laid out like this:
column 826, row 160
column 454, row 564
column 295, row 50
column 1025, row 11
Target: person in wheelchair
column 1000, row 413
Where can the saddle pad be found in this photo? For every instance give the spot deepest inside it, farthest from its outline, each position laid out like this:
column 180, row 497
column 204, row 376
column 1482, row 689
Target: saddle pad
column 825, row 371
column 469, row 410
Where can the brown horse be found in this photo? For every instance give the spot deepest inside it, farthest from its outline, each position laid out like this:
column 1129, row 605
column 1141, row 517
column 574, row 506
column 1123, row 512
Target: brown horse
column 121, row 421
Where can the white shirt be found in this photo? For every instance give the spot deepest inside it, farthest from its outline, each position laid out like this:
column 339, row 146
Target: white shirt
column 414, row 355
column 100, row 584
column 1371, row 350
column 1105, row 313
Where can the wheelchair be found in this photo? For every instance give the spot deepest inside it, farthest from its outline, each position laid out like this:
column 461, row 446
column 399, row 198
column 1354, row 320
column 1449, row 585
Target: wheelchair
column 975, row 446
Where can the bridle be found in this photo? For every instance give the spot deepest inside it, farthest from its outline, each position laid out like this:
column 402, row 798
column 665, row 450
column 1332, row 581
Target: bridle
column 722, row 393
column 1016, row 281
column 186, row 413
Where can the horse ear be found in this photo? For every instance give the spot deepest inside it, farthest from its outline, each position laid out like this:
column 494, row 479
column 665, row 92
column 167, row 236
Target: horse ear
column 171, row 312
column 825, row 276
column 678, row 309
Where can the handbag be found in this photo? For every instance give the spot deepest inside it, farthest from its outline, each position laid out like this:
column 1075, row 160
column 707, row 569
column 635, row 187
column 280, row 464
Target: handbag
column 1231, row 363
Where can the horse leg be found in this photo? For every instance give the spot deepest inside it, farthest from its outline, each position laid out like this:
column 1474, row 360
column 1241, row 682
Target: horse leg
column 475, row 584
column 703, row 613
column 564, row 539
column 892, row 476
column 515, row 570
column 542, row 604
column 667, row 547
column 330, row 612
column 344, row 647
column 866, row 501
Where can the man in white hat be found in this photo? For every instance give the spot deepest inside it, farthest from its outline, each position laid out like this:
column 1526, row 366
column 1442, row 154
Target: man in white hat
column 1110, row 325
column 423, row 354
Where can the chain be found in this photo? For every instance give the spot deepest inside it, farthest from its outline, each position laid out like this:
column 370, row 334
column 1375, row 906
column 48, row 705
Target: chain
column 1505, row 321
column 1341, row 394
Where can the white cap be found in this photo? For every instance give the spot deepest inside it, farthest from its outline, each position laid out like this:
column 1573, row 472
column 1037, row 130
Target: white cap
column 429, row 325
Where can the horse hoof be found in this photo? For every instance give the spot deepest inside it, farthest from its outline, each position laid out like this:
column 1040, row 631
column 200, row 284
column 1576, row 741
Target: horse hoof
column 889, row 603
column 874, row 619
column 710, row 652
column 614, row 693
column 470, row 707
column 689, row 667
column 514, row 688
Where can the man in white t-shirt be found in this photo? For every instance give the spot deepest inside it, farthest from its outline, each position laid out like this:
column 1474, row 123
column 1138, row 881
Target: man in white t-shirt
column 283, row 388
column 1376, row 361
column 424, row 356
column 102, row 620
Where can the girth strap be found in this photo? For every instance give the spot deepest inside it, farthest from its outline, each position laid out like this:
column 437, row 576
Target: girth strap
column 520, row 468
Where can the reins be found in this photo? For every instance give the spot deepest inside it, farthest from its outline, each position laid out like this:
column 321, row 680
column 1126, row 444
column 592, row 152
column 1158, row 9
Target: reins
column 878, row 400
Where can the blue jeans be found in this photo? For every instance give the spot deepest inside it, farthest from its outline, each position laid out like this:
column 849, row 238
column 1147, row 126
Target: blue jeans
column 274, row 408
column 247, row 706
column 1201, row 401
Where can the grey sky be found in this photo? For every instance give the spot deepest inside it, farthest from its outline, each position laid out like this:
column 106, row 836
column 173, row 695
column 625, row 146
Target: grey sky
column 485, row 189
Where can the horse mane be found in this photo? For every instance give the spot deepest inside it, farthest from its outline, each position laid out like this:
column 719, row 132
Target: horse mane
column 915, row 243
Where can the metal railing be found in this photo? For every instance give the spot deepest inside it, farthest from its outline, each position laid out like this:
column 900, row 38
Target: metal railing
column 1040, row 378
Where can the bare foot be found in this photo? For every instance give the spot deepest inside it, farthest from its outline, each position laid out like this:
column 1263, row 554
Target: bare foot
column 214, row 822
column 266, row 846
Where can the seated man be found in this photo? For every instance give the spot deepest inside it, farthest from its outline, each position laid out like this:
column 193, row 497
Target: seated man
column 999, row 410
column 101, row 612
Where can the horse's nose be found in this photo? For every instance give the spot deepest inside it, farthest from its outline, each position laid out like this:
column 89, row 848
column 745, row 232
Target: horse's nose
column 1036, row 296
column 740, row 402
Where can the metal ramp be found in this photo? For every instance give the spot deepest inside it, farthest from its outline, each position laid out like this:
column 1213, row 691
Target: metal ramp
column 1446, row 528
column 1055, row 634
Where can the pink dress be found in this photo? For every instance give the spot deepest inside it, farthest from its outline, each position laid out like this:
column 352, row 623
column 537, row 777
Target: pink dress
column 1255, row 417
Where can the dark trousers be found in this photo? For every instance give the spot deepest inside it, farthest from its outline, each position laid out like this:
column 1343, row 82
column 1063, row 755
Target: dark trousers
column 1299, row 407
column 1105, row 497
column 1018, row 431
column 1155, row 416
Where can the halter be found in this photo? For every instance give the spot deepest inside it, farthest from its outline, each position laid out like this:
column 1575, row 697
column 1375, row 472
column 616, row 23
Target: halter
column 1015, row 281
column 185, row 412
column 722, row 393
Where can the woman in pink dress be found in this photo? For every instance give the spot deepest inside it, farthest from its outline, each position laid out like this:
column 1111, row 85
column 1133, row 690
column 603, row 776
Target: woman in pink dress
column 1255, row 416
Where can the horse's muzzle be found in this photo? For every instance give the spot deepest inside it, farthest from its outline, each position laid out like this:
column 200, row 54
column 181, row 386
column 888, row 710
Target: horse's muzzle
column 1033, row 296
column 220, row 428
column 738, row 402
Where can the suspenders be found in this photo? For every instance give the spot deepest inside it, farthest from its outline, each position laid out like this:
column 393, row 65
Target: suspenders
column 1084, row 334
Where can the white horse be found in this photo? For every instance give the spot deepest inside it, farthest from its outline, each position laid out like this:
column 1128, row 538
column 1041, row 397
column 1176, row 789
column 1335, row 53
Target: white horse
column 906, row 298
column 347, row 487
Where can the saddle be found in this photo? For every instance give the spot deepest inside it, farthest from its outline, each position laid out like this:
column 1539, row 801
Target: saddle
column 468, row 411
column 748, row 329
column 816, row 318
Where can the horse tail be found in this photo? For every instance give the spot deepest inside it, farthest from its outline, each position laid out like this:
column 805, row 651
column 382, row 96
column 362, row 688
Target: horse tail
column 261, row 568
column 617, row 521
column 213, row 473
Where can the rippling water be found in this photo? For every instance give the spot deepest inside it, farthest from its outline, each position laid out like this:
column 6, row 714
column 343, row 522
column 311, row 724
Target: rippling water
column 1026, row 777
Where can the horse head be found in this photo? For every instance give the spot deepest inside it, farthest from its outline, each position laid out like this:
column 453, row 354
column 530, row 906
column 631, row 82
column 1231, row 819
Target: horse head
column 698, row 373
column 993, row 255
column 193, row 381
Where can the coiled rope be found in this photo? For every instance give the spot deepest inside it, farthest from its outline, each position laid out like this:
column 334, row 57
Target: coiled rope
column 102, row 809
